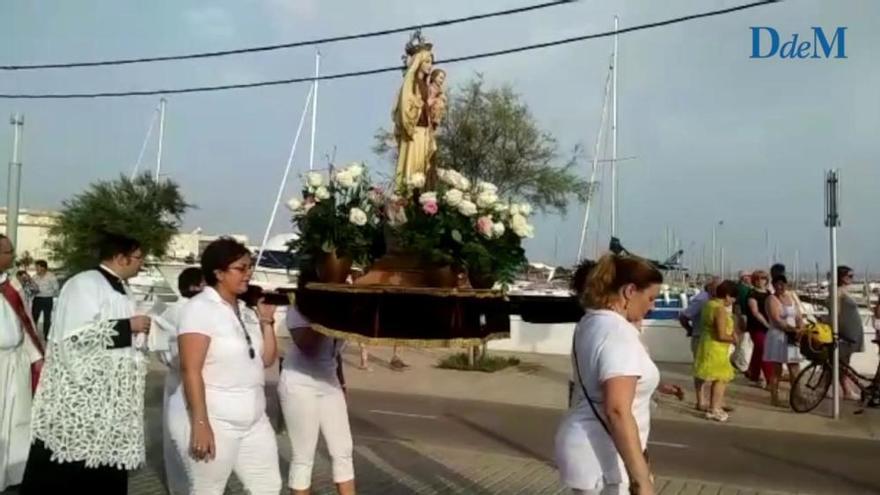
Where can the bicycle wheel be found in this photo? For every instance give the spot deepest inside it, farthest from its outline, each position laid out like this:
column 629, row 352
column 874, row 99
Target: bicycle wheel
column 810, row 387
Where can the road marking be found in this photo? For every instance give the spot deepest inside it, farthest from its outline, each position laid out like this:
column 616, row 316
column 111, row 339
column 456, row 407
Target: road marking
column 405, row 415
column 668, row 444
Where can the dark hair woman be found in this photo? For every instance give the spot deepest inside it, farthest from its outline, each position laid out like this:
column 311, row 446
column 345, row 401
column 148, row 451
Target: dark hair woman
column 218, row 418
column 712, row 360
column 780, row 345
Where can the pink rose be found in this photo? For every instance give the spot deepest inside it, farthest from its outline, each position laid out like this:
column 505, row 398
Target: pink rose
column 430, row 207
column 485, row 225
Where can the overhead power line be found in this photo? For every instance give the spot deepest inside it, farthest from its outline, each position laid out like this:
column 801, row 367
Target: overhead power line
column 367, row 72
column 295, row 44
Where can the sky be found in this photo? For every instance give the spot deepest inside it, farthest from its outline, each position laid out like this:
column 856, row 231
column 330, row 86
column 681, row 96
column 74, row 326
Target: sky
column 709, row 135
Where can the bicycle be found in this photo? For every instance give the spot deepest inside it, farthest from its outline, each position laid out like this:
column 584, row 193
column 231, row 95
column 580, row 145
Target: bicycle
column 811, row 386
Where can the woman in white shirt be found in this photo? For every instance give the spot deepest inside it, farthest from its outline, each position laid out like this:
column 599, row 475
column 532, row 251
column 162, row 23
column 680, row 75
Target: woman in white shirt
column 218, row 418
column 312, row 393
column 601, row 443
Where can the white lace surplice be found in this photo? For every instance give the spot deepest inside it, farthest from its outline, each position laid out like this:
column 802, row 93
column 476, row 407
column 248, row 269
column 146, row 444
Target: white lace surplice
column 89, row 405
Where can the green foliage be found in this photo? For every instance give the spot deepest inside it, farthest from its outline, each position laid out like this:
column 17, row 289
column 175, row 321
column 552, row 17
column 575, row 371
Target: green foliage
column 140, row 208
column 438, row 238
column 489, row 134
column 486, row 364
column 500, row 257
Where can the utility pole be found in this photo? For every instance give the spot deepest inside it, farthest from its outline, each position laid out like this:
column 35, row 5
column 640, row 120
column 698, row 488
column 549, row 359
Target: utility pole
column 13, row 193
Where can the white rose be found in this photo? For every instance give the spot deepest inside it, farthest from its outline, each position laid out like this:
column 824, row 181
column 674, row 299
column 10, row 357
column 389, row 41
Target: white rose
column 462, row 183
column 357, row 216
column 453, row 197
column 486, row 199
column 428, row 197
column 521, row 227
column 322, row 193
column 525, row 209
column 416, row 181
column 345, row 179
column 467, row 208
column 500, row 207
column 498, row 229
column 314, row 179
column 355, row 170
column 294, row 204
column 514, row 209
column 487, row 187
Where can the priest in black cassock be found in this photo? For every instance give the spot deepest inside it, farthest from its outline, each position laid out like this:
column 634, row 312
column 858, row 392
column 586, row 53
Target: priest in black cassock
column 87, row 421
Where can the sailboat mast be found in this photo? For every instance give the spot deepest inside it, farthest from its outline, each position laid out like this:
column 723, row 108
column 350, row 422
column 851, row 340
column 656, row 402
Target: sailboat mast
column 314, row 111
column 161, row 137
column 614, row 191
column 595, row 167
column 283, row 184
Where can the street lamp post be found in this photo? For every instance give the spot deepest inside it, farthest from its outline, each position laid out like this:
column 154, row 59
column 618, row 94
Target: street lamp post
column 13, row 191
column 832, row 221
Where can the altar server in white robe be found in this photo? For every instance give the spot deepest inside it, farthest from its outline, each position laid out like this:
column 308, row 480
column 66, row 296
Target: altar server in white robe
column 20, row 348
column 87, row 420
column 190, row 282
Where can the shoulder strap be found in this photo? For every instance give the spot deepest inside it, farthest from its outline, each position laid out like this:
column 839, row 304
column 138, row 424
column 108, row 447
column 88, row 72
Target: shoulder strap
column 577, row 369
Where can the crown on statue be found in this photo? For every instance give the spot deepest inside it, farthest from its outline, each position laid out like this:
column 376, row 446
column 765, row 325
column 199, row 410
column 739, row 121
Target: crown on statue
column 417, row 43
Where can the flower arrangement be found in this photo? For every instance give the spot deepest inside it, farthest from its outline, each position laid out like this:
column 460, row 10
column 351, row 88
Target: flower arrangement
column 337, row 215
column 458, row 224
column 463, row 225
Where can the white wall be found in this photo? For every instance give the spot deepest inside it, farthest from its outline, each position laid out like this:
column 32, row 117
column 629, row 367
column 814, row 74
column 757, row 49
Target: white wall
column 665, row 340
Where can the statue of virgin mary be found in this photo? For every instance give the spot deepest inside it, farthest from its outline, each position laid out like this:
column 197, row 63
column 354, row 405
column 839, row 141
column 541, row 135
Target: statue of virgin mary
column 414, row 118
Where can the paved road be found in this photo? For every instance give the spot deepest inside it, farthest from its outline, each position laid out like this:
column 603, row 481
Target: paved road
column 410, row 444
column 719, row 453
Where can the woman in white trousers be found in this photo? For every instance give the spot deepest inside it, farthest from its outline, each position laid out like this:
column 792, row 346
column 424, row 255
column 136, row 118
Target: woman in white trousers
column 602, row 440
column 218, row 417
column 312, row 393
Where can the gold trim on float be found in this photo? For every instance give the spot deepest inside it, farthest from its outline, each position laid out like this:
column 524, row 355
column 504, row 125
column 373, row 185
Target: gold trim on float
column 390, row 341
column 396, row 289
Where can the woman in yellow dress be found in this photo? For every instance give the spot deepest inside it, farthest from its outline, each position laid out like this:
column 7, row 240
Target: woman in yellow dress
column 712, row 360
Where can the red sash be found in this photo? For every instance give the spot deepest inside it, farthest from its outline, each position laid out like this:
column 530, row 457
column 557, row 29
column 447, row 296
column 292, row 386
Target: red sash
column 14, row 299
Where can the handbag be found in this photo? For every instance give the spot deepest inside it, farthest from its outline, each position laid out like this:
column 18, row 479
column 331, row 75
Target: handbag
column 587, row 395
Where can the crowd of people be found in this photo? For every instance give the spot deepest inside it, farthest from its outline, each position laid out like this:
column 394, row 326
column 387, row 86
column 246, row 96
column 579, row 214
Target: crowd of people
column 762, row 307
column 601, row 443
column 74, row 414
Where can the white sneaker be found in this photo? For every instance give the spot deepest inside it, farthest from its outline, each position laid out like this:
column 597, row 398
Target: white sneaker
column 719, row 416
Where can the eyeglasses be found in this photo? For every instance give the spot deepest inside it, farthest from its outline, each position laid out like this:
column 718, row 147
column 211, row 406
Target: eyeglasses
column 242, row 269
